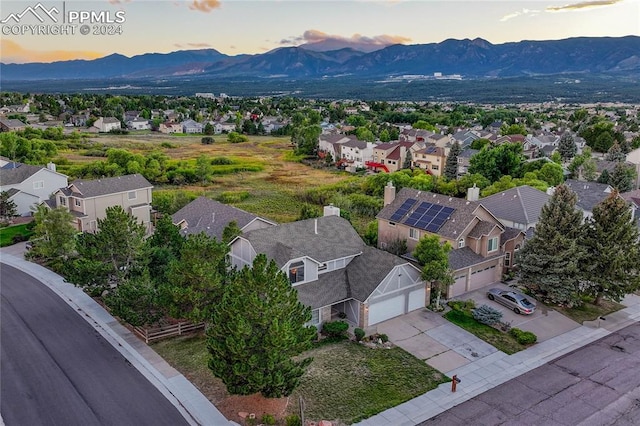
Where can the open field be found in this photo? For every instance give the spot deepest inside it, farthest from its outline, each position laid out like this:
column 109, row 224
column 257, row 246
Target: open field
column 346, row 382
column 262, row 168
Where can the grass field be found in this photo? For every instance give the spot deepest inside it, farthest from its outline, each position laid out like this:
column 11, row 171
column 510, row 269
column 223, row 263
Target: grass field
column 7, row 234
column 588, row 311
column 346, row 381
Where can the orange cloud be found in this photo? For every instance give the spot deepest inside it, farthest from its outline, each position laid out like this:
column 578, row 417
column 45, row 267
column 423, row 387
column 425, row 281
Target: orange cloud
column 204, row 5
column 358, row 41
column 192, row 45
column 12, row 52
column 582, row 5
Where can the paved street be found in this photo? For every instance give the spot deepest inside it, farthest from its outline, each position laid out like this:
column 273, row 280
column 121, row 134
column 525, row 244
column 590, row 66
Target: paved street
column 598, row 384
column 58, row 370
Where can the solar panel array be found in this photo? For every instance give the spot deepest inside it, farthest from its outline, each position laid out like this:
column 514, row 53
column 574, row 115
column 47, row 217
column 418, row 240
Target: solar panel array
column 429, row 216
column 404, row 209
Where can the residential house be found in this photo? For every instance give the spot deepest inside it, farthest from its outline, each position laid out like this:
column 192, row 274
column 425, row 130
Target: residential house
column 465, row 137
column 11, row 125
column 334, row 272
column 139, row 124
column 223, row 127
column 170, row 127
column 131, row 115
column 191, row 126
column 464, row 160
column 390, row 156
column 211, row 217
column 270, row 124
column 633, row 197
column 432, row 159
column 329, row 144
column 107, row 124
column 88, row 200
column 28, row 185
column 633, row 157
column 355, row 153
column 517, row 207
column 440, row 140
column 589, row 194
column 478, row 239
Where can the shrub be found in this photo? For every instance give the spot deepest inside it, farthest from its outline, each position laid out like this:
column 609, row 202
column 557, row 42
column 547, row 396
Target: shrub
column 383, row 337
column 168, row 145
column 230, row 197
column 359, row 333
column 487, row 315
column 462, row 305
column 523, row 337
column 221, row 161
column 293, row 420
column 207, row 140
column 18, row 238
column 235, row 137
column 268, row 419
column 335, row 328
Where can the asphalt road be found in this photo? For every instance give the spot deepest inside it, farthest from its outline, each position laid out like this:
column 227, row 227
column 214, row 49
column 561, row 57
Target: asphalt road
column 598, row 384
column 55, row 369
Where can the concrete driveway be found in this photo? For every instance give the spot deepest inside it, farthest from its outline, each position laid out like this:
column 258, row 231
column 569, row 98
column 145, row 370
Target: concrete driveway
column 544, row 322
column 429, row 337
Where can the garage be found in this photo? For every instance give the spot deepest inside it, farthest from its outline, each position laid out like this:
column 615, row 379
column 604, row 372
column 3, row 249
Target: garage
column 400, row 302
column 483, row 277
column 459, row 286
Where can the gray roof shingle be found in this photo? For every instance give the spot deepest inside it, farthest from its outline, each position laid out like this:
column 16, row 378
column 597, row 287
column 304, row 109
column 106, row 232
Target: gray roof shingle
column 113, row 185
column 15, row 173
column 589, row 194
column 465, row 257
column 520, row 205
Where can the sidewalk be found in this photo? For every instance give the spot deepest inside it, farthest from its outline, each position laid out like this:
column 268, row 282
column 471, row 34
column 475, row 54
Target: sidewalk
column 497, row 368
column 194, row 406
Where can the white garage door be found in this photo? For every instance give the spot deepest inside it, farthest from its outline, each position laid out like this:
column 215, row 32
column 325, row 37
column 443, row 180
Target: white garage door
column 385, row 309
column 459, row 286
column 483, row 277
column 417, row 299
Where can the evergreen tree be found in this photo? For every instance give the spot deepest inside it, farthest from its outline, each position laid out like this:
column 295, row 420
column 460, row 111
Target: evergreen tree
column 615, row 153
column 604, row 177
column 408, row 160
column 550, row 261
column 7, row 206
column 567, row 147
column 230, row 232
column 613, row 251
column 451, row 166
column 623, row 177
column 258, row 327
column 307, row 211
column 163, row 247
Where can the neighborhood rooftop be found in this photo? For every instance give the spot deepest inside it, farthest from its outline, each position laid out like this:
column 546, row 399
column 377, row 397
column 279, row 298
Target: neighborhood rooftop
column 113, row 185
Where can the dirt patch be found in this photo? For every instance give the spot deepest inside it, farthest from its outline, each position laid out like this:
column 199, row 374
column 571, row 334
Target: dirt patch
column 256, row 404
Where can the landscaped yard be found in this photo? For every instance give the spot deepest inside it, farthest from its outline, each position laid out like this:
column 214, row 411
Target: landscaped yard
column 588, row 311
column 498, row 339
column 346, row 381
column 7, row 234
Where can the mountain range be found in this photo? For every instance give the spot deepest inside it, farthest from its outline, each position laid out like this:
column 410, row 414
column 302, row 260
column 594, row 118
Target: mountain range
column 470, row 59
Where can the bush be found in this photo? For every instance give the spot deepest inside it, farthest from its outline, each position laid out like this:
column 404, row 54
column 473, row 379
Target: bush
column 268, row 419
column 18, row 238
column 462, row 305
column 207, row 140
column 168, row 145
column 221, row 161
column 359, row 333
column 230, row 197
column 487, row 315
column 523, row 337
column 235, row 137
column 383, row 337
column 293, row 420
column 335, row 328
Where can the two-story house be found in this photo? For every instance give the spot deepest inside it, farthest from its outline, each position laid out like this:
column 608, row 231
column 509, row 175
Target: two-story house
column 88, row 200
column 517, row 207
column 432, row 159
column 139, row 123
column 211, row 217
column 107, row 124
column 464, row 160
column 28, row 185
column 169, row 127
column 390, row 156
column 331, row 144
column 356, row 152
column 477, row 238
column 11, row 125
column 191, row 126
column 334, row 271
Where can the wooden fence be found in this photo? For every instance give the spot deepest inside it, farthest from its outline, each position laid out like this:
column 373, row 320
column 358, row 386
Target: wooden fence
column 151, row 334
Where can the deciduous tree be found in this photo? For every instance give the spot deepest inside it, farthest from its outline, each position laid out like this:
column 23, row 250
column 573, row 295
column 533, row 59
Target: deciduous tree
column 54, row 236
column 433, row 256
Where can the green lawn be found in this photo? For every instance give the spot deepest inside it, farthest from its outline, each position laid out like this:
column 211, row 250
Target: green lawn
column 588, row 311
column 7, row 234
column 501, row 341
column 345, row 382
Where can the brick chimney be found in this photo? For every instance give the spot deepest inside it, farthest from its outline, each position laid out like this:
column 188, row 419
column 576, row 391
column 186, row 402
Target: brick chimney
column 389, row 193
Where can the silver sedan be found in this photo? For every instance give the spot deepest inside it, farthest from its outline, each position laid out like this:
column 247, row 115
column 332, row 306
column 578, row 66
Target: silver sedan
column 518, row 302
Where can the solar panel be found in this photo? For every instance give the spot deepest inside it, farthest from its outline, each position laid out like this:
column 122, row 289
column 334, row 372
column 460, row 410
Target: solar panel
column 432, row 228
column 404, row 208
column 429, row 216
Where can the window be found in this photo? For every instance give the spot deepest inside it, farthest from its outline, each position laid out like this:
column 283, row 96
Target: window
column 461, row 243
column 132, row 195
column 414, row 234
column 492, row 245
column 322, row 267
column 78, row 202
column 296, row 272
column 315, row 316
column 38, row 184
column 507, row 259
column 434, row 167
column 63, row 201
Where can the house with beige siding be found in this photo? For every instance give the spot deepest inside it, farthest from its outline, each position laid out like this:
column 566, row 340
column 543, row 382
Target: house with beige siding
column 334, row 272
column 477, row 238
column 432, row 159
column 88, row 200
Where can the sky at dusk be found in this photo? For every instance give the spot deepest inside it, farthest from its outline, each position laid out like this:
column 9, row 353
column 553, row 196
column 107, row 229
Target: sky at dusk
column 242, row 26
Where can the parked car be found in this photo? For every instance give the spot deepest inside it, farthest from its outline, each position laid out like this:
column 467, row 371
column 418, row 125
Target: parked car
column 518, row 302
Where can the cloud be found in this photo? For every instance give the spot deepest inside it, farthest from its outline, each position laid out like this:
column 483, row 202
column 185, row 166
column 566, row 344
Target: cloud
column 204, row 5
column 315, row 36
column 119, row 1
column 582, row 5
column 12, row 52
column 192, row 45
column 523, row 12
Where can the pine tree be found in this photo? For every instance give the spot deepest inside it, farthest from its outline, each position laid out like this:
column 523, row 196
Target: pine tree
column 550, row 261
column 7, row 206
column 622, row 177
column 613, row 250
column 451, row 166
column 408, row 161
column 615, row 153
column 257, row 329
column 567, row 147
